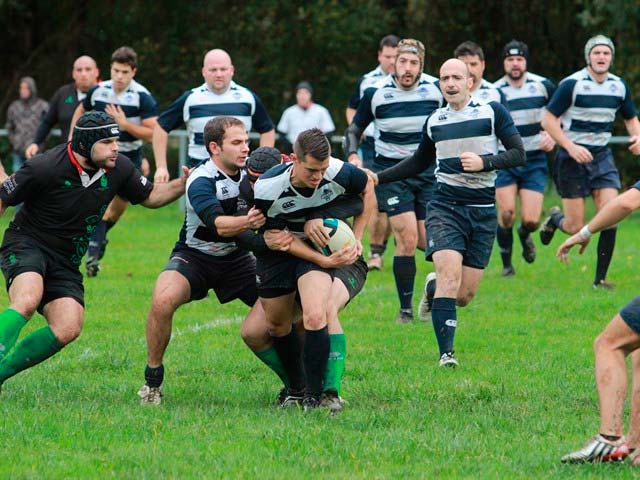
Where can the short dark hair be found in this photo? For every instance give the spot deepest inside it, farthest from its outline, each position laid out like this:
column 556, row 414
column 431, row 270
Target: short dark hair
column 312, row 142
column 215, row 129
column 389, row 41
column 125, row 55
column 468, row 48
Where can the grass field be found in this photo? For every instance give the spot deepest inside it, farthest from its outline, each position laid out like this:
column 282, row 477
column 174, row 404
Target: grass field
column 523, row 396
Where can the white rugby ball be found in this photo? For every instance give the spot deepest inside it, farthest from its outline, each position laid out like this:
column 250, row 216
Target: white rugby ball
column 340, row 236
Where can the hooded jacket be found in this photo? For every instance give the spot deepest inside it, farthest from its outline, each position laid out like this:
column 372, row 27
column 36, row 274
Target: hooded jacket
column 24, row 116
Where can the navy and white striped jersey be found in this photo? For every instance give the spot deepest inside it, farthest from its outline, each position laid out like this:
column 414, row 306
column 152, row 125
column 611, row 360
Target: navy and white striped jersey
column 398, row 115
column 526, row 106
column 197, row 106
column 136, row 102
column 588, row 108
column 207, row 187
column 366, row 81
column 488, row 92
column 287, row 206
column 476, row 128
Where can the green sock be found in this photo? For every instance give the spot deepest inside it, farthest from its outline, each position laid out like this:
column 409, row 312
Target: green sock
column 271, row 359
column 35, row 348
column 335, row 365
column 11, row 322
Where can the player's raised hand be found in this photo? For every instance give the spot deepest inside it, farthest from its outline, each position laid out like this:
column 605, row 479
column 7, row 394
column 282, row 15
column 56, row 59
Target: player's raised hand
column 471, row 162
column 161, row 175
column 255, row 218
column 569, row 243
column 314, row 230
column 117, row 113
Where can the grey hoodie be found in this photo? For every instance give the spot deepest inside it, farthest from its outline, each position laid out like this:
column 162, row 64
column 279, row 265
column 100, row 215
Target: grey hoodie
column 24, row 116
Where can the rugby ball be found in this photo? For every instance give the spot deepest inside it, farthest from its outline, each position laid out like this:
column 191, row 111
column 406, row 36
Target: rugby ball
column 340, row 236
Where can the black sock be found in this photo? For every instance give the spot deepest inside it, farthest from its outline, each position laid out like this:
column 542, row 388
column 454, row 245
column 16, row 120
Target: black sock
column 505, row 242
column 444, row 318
column 97, row 239
column 606, row 244
column 154, row 376
column 404, row 271
column 288, row 349
column 109, row 224
column 315, row 357
column 376, row 249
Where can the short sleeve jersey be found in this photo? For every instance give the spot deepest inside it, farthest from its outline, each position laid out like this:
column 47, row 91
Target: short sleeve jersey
column 526, row 106
column 136, row 102
column 63, row 203
column 209, row 187
column 398, row 115
column 287, row 206
column 197, row 106
column 476, row 128
column 296, row 119
column 588, row 108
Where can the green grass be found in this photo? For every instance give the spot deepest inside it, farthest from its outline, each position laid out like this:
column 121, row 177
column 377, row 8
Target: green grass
column 524, row 394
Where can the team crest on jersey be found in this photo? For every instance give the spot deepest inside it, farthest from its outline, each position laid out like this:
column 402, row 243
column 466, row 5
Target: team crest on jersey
column 532, row 89
column 586, row 88
column 128, row 97
column 237, row 95
column 484, row 94
column 104, row 95
column 224, row 190
column 613, row 87
column 474, row 113
column 326, row 194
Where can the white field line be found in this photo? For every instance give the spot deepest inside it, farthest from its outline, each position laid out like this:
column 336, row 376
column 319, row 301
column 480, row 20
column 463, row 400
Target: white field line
column 89, row 353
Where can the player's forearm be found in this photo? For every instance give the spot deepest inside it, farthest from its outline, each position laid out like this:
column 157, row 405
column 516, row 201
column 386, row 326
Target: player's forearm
column 513, row 156
column 409, row 167
column 268, row 139
column 302, row 250
column 360, row 221
column 164, row 193
column 352, row 139
column 350, row 113
column 159, row 142
column 615, row 211
column 633, row 126
column 228, row 226
column 142, row 132
column 551, row 124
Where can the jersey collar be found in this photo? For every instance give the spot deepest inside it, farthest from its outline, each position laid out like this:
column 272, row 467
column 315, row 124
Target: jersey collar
column 84, row 176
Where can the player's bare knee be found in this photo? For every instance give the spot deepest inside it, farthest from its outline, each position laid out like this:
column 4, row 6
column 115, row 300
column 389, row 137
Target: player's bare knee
column 67, row 332
column 25, row 306
column 571, row 226
column 464, row 299
column 506, row 218
column 315, row 319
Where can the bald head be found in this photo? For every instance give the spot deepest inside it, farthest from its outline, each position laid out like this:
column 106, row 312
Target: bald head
column 455, row 65
column 217, row 70
column 85, row 73
column 455, row 83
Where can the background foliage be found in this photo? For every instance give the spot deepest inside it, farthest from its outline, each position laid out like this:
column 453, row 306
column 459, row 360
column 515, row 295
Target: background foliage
column 275, row 44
